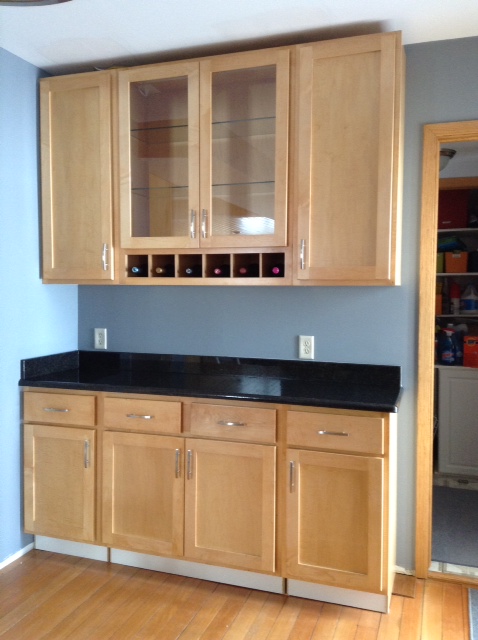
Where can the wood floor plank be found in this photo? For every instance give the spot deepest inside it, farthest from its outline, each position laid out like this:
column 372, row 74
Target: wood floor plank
column 404, row 585
column 433, row 610
column 327, row 623
column 347, row 624
column 246, row 617
column 306, row 621
column 453, row 614
column 286, row 619
column 206, row 614
column 226, row 614
column 389, row 628
column 410, row 625
column 267, row 617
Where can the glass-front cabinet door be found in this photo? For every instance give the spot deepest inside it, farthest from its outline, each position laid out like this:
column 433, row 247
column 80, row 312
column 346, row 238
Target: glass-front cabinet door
column 159, row 155
column 203, row 152
column 244, row 138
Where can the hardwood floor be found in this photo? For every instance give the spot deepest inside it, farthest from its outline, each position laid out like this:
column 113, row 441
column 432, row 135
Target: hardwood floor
column 51, row 596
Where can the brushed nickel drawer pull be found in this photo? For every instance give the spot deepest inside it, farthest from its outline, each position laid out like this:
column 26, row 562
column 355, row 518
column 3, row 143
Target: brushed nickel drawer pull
column 189, row 465
column 138, row 417
column 53, row 410
column 226, row 423
column 332, row 433
column 291, row 476
column 86, row 454
column 178, row 459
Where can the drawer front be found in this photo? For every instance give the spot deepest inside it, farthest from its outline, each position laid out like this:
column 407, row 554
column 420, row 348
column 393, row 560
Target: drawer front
column 335, row 432
column 233, row 422
column 143, row 415
column 59, row 408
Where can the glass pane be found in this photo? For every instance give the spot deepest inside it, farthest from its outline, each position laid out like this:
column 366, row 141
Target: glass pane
column 159, row 157
column 243, row 151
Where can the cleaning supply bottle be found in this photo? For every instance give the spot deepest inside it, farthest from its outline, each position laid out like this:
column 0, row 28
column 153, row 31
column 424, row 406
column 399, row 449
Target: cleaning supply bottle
column 455, row 292
column 447, row 347
column 469, row 300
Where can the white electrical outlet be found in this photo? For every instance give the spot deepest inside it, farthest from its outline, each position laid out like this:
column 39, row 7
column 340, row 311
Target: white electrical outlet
column 101, row 339
column 306, row 347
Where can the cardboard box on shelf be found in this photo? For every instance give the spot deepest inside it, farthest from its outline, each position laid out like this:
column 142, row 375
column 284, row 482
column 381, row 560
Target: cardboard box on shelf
column 456, row 261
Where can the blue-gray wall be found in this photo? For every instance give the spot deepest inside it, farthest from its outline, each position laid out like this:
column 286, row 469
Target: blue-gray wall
column 349, row 324
column 34, row 319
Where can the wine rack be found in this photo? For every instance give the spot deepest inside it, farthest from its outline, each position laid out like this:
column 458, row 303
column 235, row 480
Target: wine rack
column 271, row 268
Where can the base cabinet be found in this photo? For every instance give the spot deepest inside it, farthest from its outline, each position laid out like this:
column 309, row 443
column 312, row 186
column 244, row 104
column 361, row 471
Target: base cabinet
column 295, row 496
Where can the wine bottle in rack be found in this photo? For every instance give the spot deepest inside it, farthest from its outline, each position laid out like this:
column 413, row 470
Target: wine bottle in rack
column 249, row 271
column 165, row 270
column 223, row 271
column 139, row 270
column 277, row 271
column 193, row 271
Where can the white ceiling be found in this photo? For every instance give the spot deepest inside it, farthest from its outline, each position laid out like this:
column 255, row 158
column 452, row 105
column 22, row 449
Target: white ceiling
column 83, row 34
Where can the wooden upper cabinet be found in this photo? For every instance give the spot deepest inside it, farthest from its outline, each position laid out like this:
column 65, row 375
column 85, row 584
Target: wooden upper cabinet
column 76, row 159
column 347, row 172
column 203, row 152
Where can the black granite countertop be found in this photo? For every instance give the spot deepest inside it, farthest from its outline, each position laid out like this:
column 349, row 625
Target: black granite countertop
column 318, row 384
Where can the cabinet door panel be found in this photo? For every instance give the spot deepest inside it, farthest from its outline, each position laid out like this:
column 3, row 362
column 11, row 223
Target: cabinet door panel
column 230, row 504
column 143, row 492
column 244, row 149
column 77, row 177
column 347, row 167
column 60, row 482
column 334, row 519
column 159, row 161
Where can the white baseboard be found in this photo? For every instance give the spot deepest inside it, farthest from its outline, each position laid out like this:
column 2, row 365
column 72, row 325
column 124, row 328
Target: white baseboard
column 406, row 572
column 69, row 548
column 16, row 555
column 338, row 595
column 248, row 579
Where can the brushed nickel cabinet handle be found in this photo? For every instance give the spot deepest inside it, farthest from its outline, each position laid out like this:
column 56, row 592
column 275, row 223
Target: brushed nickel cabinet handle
column 178, row 460
column 104, row 257
column 292, row 476
column 226, row 423
column 139, row 417
column 86, row 454
column 53, row 410
column 189, row 465
column 302, row 254
column 332, row 433
column 204, row 223
column 192, row 227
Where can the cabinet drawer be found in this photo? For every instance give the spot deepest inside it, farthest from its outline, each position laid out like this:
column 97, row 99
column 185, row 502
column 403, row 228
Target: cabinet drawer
column 335, row 432
column 143, row 415
column 233, row 423
column 59, row 408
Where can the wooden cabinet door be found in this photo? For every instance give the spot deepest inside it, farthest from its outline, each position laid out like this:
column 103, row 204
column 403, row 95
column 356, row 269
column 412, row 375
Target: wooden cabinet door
column 77, row 177
column 244, row 149
column 59, row 476
column 159, row 156
column 143, row 492
column 230, row 504
column 335, row 519
column 348, row 155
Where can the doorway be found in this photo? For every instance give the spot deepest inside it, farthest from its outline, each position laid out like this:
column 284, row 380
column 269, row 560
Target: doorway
column 435, row 135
